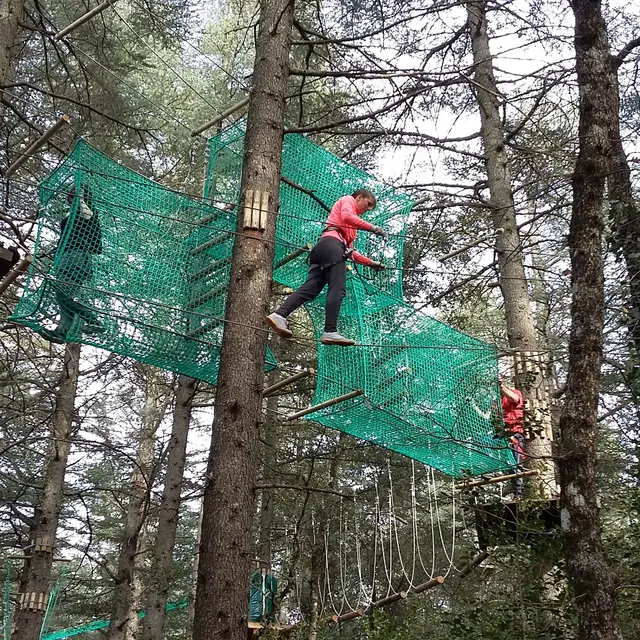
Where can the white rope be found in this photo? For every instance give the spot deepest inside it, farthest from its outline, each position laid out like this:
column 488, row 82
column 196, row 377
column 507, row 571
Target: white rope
column 395, row 529
column 414, row 518
column 383, row 544
column 343, row 536
column 453, row 528
column 326, row 562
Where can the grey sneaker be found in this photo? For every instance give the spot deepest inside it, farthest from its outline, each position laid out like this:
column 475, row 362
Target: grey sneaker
column 333, row 337
column 279, row 325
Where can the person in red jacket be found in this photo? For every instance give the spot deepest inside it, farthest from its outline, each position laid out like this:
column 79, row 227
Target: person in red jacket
column 327, row 266
column 513, row 413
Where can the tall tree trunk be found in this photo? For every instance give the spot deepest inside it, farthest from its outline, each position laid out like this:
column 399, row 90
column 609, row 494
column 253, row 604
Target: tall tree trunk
column 161, row 574
column 10, row 14
column 124, row 621
column 519, row 319
column 225, row 560
column 267, row 497
column 318, row 551
column 33, row 600
column 594, row 583
column 625, row 216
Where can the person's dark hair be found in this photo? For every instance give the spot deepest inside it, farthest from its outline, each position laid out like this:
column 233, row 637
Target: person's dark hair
column 365, row 193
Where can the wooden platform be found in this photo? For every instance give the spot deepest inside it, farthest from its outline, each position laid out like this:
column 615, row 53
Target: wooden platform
column 516, row 521
column 254, row 628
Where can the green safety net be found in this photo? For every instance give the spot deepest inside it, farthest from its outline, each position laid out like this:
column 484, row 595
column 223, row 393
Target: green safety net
column 97, row 625
column 430, row 392
column 126, row 264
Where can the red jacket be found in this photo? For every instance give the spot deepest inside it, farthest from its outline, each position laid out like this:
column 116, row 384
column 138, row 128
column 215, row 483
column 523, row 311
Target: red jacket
column 344, row 216
column 513, row 413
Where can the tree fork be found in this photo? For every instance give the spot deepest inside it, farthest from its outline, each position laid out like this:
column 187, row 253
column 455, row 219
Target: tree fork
column 226, row 545
column 36, row 577
column 593, row 581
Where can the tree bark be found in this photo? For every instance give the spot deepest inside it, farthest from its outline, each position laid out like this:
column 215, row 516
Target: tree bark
column 161, row 574
column 226, row 547
column 33, row 600
column 594, row 583
column 10, row 14
column 317, row 568
column 625, row 217
column 124, row 621
column 521, row 331
column 267, row 496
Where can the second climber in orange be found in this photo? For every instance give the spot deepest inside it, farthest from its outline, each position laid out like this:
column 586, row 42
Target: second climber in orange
column 327, row 262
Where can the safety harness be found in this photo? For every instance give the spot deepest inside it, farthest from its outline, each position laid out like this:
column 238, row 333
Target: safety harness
column 347, row 249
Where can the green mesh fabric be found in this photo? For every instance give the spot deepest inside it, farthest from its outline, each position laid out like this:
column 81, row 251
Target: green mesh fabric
column 97, row 625
column 139, row 269
column 430, row 392
column 143, row 271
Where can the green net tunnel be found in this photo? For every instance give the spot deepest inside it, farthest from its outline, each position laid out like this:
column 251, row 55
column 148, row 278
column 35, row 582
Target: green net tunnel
column 430, row 391
column 135, row 278
column 151, row 284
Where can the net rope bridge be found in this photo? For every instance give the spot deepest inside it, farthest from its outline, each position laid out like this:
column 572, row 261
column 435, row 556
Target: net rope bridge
column 129, row 265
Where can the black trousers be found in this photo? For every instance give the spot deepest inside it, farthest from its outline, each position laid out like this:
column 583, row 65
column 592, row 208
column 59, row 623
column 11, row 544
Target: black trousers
column 327, row 266
column 74, row 270
column 517, row 445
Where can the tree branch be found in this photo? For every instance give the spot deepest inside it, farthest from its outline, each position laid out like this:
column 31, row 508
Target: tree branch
column 619, row 58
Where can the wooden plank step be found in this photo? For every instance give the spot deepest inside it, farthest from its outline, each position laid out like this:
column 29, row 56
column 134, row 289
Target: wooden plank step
column 219, row 239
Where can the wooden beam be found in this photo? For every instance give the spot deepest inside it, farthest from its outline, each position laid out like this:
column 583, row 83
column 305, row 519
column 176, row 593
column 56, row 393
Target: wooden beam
column 85, row 18
column 194, row 303
column 223, row 116
column 20, row 268
column 429, row 584
column 462, row 486
column 401, row 595
column 292, row 256
column 219, row 239
column 287, row 381
column 468, row 568
column 208, row 269
column 41, row 141
column 324, row 405
column 345, row 617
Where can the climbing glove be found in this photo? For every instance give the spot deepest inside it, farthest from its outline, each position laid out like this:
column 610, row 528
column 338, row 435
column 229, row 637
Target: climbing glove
column 379, row 231
column 377, row 266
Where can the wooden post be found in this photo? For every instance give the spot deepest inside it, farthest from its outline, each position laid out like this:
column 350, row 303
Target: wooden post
column 85, row 18
column 324, row 405
column 20, row 268
column 208, row 269
column 468, row 568
column 463, row 486
column 345, row 617
column 292, row 256
column 226, row 551
column 401, row 595
column 436, row 582
column 223, row 116
column 223, row 237
column 283, row 383
column 41, row 141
